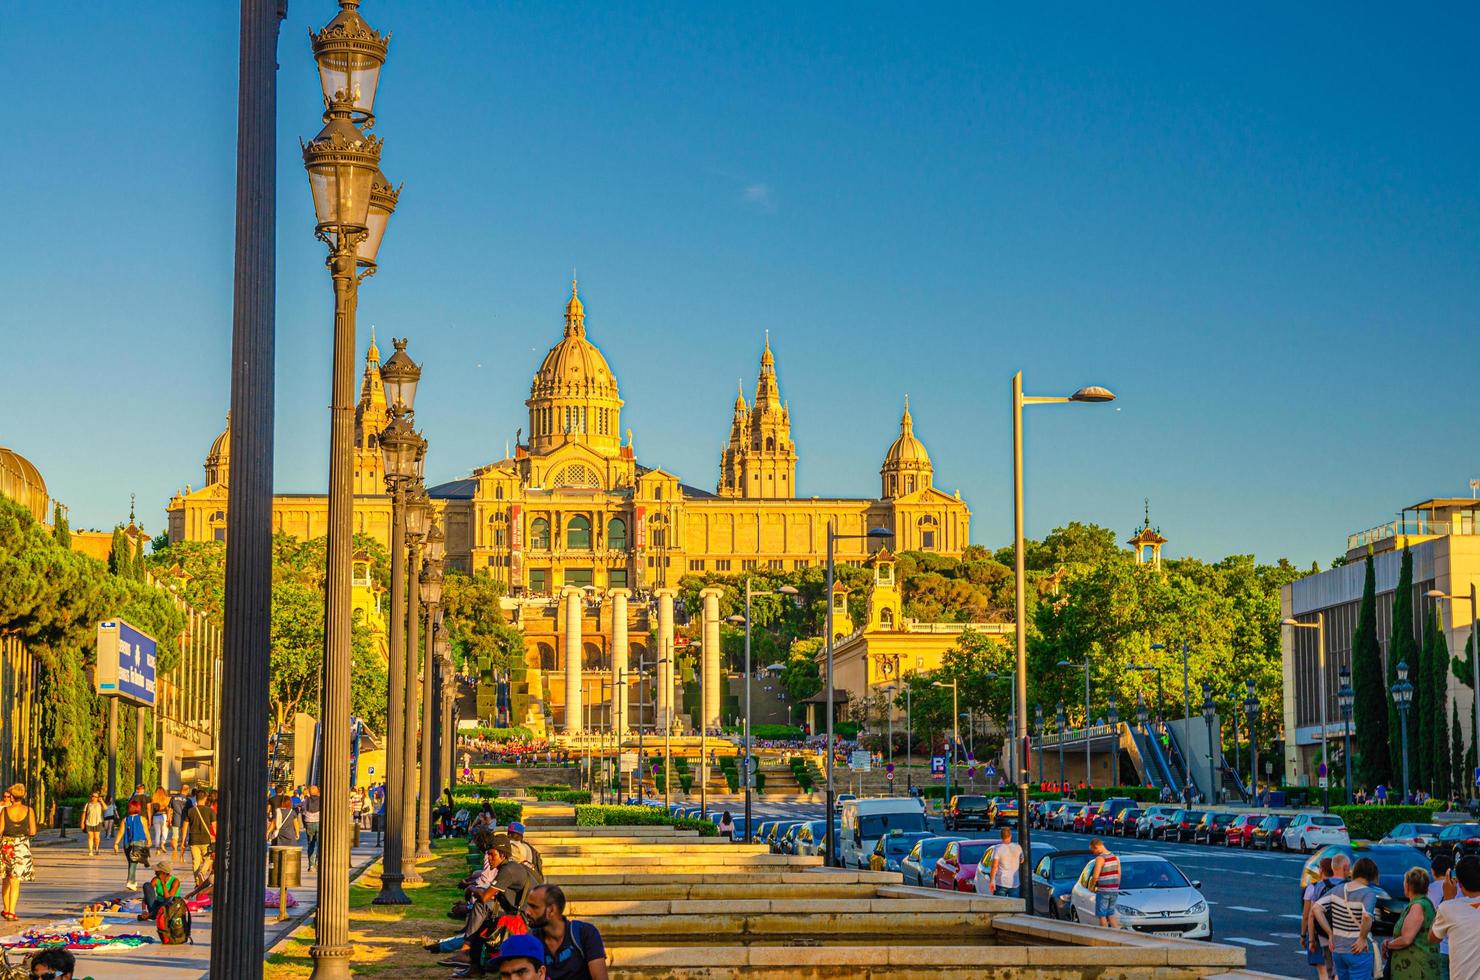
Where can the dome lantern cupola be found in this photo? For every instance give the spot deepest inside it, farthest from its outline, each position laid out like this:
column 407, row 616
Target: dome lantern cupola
column 218, row 460
column 574, row 394
column 907, row 465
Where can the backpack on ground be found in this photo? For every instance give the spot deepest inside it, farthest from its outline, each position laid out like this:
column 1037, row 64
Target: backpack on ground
column 173, row 922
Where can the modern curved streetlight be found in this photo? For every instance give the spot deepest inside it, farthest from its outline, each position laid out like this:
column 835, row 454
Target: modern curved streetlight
column 1088, row 394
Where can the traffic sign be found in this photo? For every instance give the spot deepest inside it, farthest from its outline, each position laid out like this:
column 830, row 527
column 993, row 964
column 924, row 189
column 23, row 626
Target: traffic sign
column 1322, row 773
column 889, row 775
column 860, row 760
column 1325, row 782
column 889, row 768
column 1477, row 775
column 991, row 770
column 971, row 772
column 937, row 767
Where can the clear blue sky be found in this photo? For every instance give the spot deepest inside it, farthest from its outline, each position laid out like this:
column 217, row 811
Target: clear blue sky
column 1258, row 226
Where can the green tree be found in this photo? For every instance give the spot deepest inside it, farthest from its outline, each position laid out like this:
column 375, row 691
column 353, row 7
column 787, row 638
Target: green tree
column 60, row 529
column 1369, row 708
column 1461, row 767
column 1402, row 648
column 120, row 555
column 801, row 677
column 1422, row 734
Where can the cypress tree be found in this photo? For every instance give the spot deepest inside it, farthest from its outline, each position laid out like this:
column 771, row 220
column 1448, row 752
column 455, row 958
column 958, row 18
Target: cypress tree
column 1401, row 649
column 1369, row 708
column 119, row 554
column 60, row 530
column 1421, row 729
column 1460, row 772
column 1443, row 765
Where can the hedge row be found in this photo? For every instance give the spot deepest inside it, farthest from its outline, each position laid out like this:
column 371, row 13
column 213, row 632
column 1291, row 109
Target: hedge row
column 504, row 811
column 790, row 733
column 639, row 816
column 804, row 772
column 519, row 734
column 1374, row 822
column 563, row 795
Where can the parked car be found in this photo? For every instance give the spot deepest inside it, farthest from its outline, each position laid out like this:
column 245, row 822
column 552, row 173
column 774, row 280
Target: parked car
column 1004, row 812
column 1153, row 819
column 1456, row 839
column 786, row 841
column 1213, row 828
column 1063, row 817
column 864, row 821
column 1082, row 818
column 979, row 881
column 778, row 829
column 1240, row 833
column 1054, row 876
column 763, row 830
column 812, row 837
column 1102, row 818
column 1419, row 835
column 1182, row 825
column 918, row 866
column 957, row 866
column 842, row 798
column 1270, row 833
column 1045, row 812
column 1125, row 821
column 1155, row 897
column 893, row 848
column 1309, row 831
column 1393, row 862
column 968, row 812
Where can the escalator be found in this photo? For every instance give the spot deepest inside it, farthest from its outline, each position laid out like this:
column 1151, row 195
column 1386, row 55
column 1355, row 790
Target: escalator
column 1158, row 772
column 1176, row 760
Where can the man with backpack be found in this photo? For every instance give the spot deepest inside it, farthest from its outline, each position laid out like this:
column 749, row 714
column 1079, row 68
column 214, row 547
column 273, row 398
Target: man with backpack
column 313, row 808
column 163, row 904
column 200, row 833
column 573, row 950
column 525, row 853
column 493, row 907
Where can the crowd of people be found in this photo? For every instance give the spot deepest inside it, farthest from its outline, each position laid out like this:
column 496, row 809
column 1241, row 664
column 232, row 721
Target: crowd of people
column 514, row 921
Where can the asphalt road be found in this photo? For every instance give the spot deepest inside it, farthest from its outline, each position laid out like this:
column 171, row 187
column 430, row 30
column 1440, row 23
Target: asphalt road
column 1253, row 894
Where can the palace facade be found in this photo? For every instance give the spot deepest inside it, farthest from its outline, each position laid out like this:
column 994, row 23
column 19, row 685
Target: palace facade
column 573, row 509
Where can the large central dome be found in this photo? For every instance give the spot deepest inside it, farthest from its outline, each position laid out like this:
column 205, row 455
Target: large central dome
column 574, row 394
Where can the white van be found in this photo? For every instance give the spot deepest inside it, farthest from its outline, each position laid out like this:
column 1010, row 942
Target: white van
column 865, row 821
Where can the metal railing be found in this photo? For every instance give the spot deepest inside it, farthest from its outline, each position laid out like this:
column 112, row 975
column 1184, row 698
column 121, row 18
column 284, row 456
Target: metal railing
column 1466, row 525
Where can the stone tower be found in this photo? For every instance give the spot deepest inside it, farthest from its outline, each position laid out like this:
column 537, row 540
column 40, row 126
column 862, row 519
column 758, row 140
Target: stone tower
column 1147, row 542
column 371, row 417
column 760, row 460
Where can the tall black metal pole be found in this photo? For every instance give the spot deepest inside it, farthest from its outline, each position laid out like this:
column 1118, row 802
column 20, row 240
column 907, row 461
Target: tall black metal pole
column 241, row 847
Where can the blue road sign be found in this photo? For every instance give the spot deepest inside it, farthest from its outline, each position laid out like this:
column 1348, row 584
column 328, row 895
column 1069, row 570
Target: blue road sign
column 937, row 767
column 991, row 770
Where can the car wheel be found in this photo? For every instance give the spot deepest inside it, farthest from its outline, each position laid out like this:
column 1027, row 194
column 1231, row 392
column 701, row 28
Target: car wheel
column 1073, row 913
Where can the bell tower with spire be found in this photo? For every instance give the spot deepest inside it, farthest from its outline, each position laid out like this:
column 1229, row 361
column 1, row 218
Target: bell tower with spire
column 371, row 417
column 760, row 460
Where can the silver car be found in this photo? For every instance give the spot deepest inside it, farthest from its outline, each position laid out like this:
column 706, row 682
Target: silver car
column 1419, row 835
column 918, row 866
column 1155, row 897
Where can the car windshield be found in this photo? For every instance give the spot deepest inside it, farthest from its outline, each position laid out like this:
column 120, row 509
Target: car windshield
column 1222, row 818
column 971, row 801
column 1424, row 828
column 1151, row 874
column 972, row 853
column 878, row 824
column 901, row 844
column 1067, row 868
column 1193, row 816
column 1457, row 830
column 932, row 848
column 1394, row 864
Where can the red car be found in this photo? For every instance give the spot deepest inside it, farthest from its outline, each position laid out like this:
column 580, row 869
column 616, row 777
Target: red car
column 956, row 869
column 1084, row 819
column 1240, row 833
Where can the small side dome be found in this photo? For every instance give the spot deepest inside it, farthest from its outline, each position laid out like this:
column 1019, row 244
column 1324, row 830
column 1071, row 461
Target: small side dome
column 21, row 481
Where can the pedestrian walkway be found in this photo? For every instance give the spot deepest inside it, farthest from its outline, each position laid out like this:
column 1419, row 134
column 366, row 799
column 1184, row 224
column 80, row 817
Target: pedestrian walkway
column 67, row 879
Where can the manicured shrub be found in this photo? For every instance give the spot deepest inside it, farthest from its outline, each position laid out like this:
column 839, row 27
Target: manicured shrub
column 639, row 816
column 1373, row 822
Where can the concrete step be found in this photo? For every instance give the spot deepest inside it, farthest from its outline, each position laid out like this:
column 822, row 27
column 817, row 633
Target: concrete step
column 955, row 903
column 738, row 879
column 675, row 849
column 658, row 889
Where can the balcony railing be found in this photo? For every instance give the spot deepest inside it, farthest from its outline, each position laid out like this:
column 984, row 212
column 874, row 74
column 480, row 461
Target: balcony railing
column 1414, row 526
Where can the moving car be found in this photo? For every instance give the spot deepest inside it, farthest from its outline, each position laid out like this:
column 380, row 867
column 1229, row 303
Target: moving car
column 964, row 812
column 1182, row 825
column 1054, row 876
column 979, row 881
column 1125, row 821
column 1419, row 835
column 957, row 866
column 1393, row 862
column 1155, row 897
column 864, row 821
column 1213, row 829
column 1102, row 820
column 1240, row 833
column 1004, row 812
column 893, row 848
column 1309, row 831
column 918, row 866
column 842, row 798
column 1153, row 819
column 1270, row 832
column 1456, row 839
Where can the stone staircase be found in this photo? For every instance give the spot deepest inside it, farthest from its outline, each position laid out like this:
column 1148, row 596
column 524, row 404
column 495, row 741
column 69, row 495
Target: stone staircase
column 676, row 906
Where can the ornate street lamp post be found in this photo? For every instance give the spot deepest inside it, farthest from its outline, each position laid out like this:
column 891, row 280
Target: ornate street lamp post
column 1403, row 698
column 1062, row 720
column 1112, row 715
column 1345, row 698
column 1038, row 732
column 418, row 523
column 399, row 447
column 1209, row 712
column 431, row 597
column 342, row 163
column 955, row 734
column 1251, row 708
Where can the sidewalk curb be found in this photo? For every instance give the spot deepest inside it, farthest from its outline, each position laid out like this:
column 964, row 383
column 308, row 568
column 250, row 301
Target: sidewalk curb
column 294, row 922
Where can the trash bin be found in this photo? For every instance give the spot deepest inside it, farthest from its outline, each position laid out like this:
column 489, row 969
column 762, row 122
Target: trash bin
column 66, row 819
column 285, row 866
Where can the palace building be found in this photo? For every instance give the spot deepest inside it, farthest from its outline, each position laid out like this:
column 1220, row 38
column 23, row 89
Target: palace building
column 572, row 510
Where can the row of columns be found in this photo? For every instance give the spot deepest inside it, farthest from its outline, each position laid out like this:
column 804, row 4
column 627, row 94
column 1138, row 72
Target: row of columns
column 572, row 600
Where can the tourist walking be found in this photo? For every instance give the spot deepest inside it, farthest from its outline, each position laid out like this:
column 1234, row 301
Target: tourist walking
column 1005, row 868
column 1312, row 939
column 159, row 818
column 134, row 835
column 1346, row 913
column 1458, row 921
column 286, row 827
column 573, row 950
column 17, row 827
column 1412, row 953
column 313, row 808
column 110, row 818
column 92, row 822
column 179, row 804
column 200, row 834
column 1104, row 881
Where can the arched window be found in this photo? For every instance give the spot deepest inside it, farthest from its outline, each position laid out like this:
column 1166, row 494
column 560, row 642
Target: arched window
column 657, row 491
column 886, row 618
column 498, row 493
column 909, row 484
column 770, row 444
column 927, row 526
column 616, row 534
column 498, row 537
column 539, row 534
column 547, row 657
column 578, row 533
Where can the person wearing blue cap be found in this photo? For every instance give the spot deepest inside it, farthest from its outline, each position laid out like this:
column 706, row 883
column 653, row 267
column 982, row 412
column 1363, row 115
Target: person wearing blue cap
column 524, row 852
column 520, row 958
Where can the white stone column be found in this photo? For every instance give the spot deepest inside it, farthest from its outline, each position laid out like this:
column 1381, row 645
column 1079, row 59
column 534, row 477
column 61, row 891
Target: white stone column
column 573, row 655
column 665, row 649
column 620, row 721
column 712, row 677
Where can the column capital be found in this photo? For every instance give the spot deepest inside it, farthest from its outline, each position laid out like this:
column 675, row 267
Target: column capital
column 619, row 593
column 665, row 593
column 711, row 593
column 569, row 590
